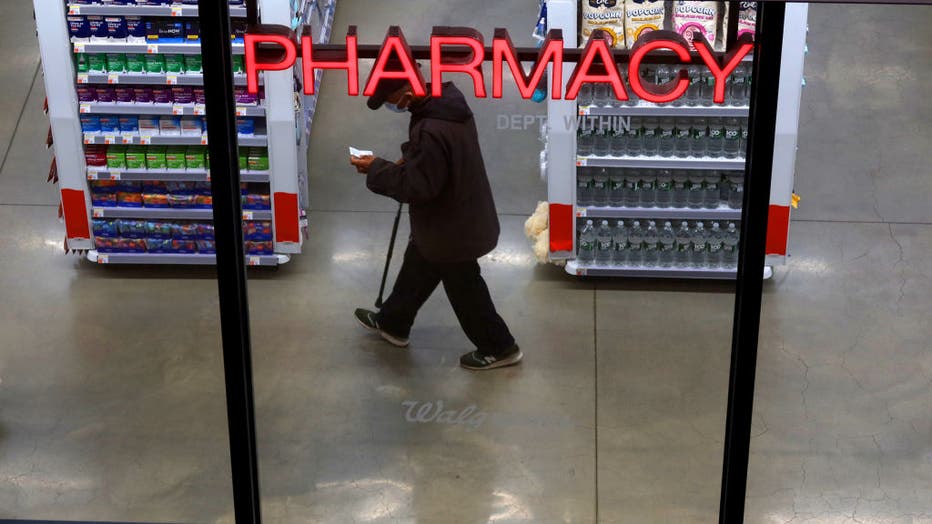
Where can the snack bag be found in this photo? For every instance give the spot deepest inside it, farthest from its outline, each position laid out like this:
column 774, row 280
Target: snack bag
column 607, row 15
column 691, row 18
column 747, row 18
column 642, row 16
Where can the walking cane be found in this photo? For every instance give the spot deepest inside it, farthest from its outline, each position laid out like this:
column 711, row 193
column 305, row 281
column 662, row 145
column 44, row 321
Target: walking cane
column 388, row 259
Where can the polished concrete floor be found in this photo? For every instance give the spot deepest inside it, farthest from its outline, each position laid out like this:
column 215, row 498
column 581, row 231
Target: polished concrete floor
column 111, row 383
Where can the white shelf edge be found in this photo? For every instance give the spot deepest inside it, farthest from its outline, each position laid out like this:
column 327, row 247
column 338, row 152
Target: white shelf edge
column 181, row 79
column 144, row 213
column 166, row 140
column 724, row 164
column 179, row 259
column 187, row 175
column 132, row 108
column 649, row 109
column 178, row 48
column 573, row 268
column 186, row 11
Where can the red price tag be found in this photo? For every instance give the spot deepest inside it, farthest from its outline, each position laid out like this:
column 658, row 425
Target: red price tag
column 74, row 9
column 110, row 139
column 240, row 111
column 145, row 140
column 255, row 261
column 82, row 78
column 177, row 110
column 176, row 10
column 84, row 108
column 113, row 78
column 152, row 49
column 203, row 140
column 97, row 212
column 103, row 259
column 247, row 215
column 79, row 47
column 92, row 174
column 171, row 79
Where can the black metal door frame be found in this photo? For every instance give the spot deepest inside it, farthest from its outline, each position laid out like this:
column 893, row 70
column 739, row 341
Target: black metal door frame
column 231, row 266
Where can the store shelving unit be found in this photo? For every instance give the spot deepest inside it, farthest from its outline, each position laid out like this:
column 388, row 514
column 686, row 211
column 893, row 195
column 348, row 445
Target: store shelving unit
column 560, row 160
column 282, row 126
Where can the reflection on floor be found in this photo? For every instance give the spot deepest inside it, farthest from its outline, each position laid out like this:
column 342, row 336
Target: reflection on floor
column 111, row 400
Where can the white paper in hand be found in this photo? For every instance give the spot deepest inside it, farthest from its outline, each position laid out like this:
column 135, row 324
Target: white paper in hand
column 359, row 153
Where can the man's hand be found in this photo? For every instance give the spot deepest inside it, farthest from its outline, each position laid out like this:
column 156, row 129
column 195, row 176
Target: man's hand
column 362, row 163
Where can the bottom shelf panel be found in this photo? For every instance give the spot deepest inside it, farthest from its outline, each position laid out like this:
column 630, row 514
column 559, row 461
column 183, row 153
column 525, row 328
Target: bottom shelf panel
column 179, row 260
column 573, row 268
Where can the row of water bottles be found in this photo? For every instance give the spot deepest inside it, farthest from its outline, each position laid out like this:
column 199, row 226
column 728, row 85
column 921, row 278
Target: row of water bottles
column 639, row 243
column 662, row 188
column 664, row 137
column 700, row 91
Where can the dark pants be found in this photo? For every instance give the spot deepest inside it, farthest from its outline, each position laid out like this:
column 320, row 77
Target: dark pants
column 466, row 290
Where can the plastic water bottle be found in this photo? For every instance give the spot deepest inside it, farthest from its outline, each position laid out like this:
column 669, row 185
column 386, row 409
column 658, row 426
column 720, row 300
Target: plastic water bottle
column 651, row 137
column 738, row 86
column 714, row 256
column 584, row 186
column 682, row 139
column 730, row 247
column 663, row 75
column 696, row 195
column 700, row 134
column 680, row 188
column 634, row 134
column 664, row 188
column 708, row 87
column 604, row 249
column 700, row 242
column 616, row 182
column 711, row 194
column 743, row 143
column 684, row 245
column 716, row 141
column 732, row 141
column 586, row 253
column 631, row 197
column 667, row 137
column 584, row 98
column 632, row 96
column 694, row 92
column 584, row 141
column 667, row 245
column 736, row 192
column 600, row 94
column 647, row 188
column 651, row 247
column 602, row 142
column 619, row 142
column 620, row 244
column 600, row 188
column 635, row 245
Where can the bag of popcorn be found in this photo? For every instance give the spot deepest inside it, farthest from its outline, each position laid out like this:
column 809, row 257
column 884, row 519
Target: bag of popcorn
column 607, row 15
column 642, row 16
column 691, row 18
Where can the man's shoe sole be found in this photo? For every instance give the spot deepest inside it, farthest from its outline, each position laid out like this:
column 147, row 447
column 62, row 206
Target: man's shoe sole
column 393, row 340
column 510, row 361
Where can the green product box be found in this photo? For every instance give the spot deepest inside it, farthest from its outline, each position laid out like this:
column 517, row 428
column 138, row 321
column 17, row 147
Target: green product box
column 116, row 157
column 135, row 157
column 97, row 63
column 80, row 60
column 238, row 64
column 155, row 157
column 175, row 157
column 195, row 157
column 155, row 63
column 258, row 159
column 193, row 64
column 243, row 158
column 135, row 63
column 174, row 63
column 116, row 62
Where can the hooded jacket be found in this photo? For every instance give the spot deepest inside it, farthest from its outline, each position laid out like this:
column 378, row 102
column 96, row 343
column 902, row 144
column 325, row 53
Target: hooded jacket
column 443, row 179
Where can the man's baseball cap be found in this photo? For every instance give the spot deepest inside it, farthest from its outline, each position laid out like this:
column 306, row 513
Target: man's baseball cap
column 389, row 86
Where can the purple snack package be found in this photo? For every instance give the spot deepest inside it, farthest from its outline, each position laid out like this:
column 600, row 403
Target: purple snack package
column 143, row 94
column 199, row 96
column 244, row 97
column 79, row 27
column 86, row 94
column 183, row 94
column 125, row 94
column 116, row 27
column 105, row 94
column 161, row 94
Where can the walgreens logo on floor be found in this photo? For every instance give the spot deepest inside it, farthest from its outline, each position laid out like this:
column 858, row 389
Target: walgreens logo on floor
column 471, row 417
column 462, row 50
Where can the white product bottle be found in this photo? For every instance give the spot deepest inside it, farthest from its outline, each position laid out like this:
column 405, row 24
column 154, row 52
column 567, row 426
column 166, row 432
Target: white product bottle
column 700, row 242
column 603, row 245
column 683, row 245
column 635, row 245
column 620, row 244
column 651, row 248
column 586, row 243
column 730, row 247
column 667, row 245
column 714, row 257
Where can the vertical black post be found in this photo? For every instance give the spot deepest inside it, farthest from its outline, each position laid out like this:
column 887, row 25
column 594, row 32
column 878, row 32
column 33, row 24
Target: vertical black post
column 231, row 261
column 252, row 12
column 763, row 121
column 731, row 25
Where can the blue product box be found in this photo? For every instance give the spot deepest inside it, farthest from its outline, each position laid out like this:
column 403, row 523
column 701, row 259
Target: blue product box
column 109, row 124
column 116, row 27
column 245, row 126
column 136, row 28
column 79, row 27
column 129, row 124
column 90, row 123
column 98, row 27
column 170, row 32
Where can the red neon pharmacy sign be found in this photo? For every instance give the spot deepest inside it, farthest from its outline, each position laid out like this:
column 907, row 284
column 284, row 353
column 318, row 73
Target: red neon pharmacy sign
column 462, row 51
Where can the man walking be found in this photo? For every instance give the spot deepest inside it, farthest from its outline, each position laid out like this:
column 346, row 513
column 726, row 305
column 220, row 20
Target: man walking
column 442, row 178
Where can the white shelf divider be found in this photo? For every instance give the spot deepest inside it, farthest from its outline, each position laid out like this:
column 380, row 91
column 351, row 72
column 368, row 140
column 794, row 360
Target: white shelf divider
column 669, row 213
column 179, row 259
column 576, row 269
